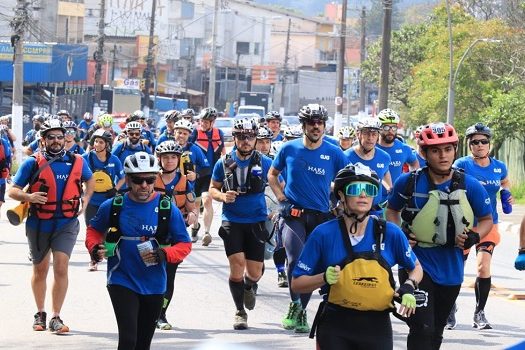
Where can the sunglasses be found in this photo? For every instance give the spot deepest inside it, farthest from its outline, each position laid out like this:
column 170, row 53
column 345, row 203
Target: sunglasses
column 54, row 137
column 71, row 132
column 314, row 122
column 355, row 189
column 477, row 142
column 134, row 134
column 140, row 180
column 389, row 127
column 242, row 137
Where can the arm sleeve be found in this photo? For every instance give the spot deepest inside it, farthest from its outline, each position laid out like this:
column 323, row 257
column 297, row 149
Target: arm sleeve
column 218, row 172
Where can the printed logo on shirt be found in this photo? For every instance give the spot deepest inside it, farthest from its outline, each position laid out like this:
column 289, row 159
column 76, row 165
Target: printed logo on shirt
column 380, row 165
column 399, row 151
column 325, row 157
column 487, row 201
column 62, row 177
column 497, row 170
column 382, row 246
column 149, row 228
column 396, row 163
column 303, row 266
column 111, row 165
column 317, row 171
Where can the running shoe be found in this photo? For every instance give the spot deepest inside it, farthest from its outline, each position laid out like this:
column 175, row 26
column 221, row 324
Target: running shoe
column 301, row 325
column 206, row 239
column 93, row 266
column 282, row 280
column 249, row 298
column 241, row 320
column 194, row 233
column 39, row 324
column 480, row 321
column 162, row 323
column 290, row 320
column 451, row 319
column 57, row 326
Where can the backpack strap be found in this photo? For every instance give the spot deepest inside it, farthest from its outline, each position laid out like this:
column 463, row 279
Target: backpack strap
column 379, row 233
column 164, row 218
column 114, row 232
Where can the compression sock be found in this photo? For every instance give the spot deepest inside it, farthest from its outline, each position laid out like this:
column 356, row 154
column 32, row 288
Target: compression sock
column 482, row 289
column 248, row 283
column 237, row 291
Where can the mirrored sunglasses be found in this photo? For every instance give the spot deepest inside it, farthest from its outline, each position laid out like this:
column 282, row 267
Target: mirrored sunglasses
column 137, row 180
column 355, row 189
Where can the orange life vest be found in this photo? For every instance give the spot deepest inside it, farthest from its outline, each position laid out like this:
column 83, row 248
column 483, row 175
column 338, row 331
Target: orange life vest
column 203, row 142
column 4, row 169
column 179, row 192
column 70, row 201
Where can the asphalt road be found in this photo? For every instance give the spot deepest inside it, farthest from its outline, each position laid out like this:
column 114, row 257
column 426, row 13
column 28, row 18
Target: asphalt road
column 202, row 309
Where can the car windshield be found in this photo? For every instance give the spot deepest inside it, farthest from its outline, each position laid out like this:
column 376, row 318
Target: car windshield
column 224, row 123
column 291, row 119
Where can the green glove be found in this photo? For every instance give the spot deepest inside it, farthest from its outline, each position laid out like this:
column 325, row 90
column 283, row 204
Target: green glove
column 331, row 276
column 408, row 300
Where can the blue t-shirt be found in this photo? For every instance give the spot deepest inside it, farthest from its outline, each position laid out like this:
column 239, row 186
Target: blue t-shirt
column 400, row 153
column 84, row 126
column 247, row 208
column 76, row 149
column 124, row 149
column 331, row 140
column 443, row 264
column 61, row 168
column 148, row 135
column 170, row 187
column 325, row 247
column 279, row 137
column 422, row 161
column 209, row 153
column 197, row 157
column 490, row 177
column 379, row 163
column 7, row 154
column 33, row 146
column 30, row 136
column 165, row 137
column 137, row 220
column 113, row 167
column 309, row 173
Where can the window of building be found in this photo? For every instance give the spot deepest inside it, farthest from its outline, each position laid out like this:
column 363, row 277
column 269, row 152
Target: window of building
column 243, row 48
column 256, row 48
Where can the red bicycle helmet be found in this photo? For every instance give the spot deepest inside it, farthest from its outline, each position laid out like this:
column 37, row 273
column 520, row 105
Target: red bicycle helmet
column 437, row 134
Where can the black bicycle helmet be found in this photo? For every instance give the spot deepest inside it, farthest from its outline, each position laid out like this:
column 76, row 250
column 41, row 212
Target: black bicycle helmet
column 478, row 129
column 352, row 173
column 273, row 115
column 313, row 111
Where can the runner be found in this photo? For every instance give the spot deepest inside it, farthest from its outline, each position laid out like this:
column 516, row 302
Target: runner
column 144, row 232
column 439, row 206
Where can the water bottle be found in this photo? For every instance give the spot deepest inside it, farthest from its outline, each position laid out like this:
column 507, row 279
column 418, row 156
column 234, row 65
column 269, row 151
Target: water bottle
column 505, row 195
column 256, row 171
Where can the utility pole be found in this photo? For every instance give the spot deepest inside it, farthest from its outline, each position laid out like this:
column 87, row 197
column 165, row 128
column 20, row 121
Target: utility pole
column 236, row 76
column 385, row 54
column 213, row 68
column 285, row 67
column 362, row 85
column 341, row 61
column 18, row 24
column 113, row 63
column 99, row 54
column 149, row 59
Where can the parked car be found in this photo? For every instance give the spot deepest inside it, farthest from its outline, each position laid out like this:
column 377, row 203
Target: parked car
column 226, row 125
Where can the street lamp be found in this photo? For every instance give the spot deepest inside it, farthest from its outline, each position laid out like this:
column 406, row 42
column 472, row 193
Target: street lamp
column 452, row 84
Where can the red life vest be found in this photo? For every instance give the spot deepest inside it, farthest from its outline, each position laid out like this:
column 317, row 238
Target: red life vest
column 70, row 201
column 203, row 141
column 179, row 191
column 4, row 169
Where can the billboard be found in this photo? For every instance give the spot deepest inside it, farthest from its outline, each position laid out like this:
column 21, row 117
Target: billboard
column 46, row 63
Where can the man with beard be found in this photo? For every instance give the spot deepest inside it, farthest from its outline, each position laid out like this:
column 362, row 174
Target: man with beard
column 366, row 152
column 38, row 120
column 132, row 144
column 238, row 180
column 309, row 165
column 439, row 206
column 211, row 142
column 54, row 177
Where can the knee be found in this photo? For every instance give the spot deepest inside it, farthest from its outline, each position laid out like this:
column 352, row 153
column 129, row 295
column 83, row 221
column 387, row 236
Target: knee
column 60, row 270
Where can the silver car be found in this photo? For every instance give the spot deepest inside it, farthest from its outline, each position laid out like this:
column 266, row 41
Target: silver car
column 226, row 125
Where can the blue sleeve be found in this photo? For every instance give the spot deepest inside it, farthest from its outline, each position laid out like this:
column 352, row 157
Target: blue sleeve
column 100, row 221
column 86, row 171
column 341, row 161
column 218, row 172
column 177, row 226
column 459, row 163
column 200, row 160
column 411, row 157
column 34, row 145
column 25, row 171
column 279, row 160
column 193, row 136
column 117, row 148
column 311, row 257
column 403, row 254
column 266, row 164
column 395, row 201
column 504, row 171
column 478, row 197
column 119, row 170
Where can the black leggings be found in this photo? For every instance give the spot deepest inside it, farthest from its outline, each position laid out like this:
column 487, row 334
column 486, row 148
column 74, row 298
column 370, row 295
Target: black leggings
column 136, row 316
column 171, row 270
column 428, row 323
column 358, row 330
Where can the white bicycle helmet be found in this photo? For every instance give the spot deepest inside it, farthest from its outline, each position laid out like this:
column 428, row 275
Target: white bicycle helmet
column 168, row 147
column 293, row 132
column 133, row 126
column 369, row 123
column 51, row 124
column 140, row 163
column 275, row 147
column 264, row 132
column 184, row 124
column 346, row 132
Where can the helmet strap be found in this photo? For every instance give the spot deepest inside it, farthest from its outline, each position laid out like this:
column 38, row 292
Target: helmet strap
column 354, row 218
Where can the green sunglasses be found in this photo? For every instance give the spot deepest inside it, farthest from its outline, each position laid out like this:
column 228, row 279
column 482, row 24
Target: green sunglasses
column 355, row 189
